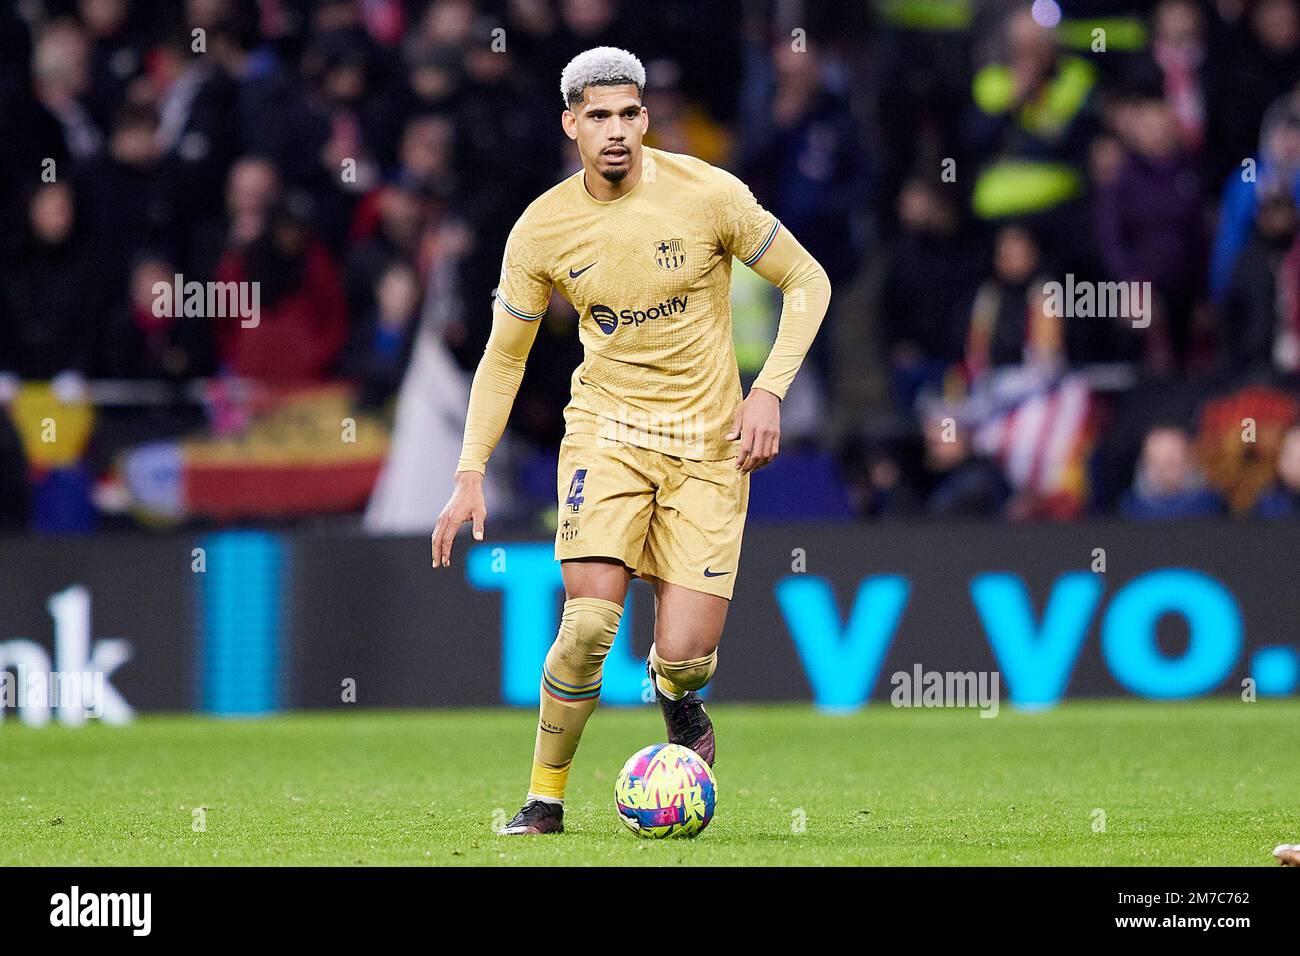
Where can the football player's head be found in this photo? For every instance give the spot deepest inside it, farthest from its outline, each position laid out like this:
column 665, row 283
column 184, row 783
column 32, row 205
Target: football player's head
column 602, row 90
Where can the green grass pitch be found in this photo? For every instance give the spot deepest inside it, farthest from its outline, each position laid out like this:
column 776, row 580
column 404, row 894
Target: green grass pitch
column 1213, row 782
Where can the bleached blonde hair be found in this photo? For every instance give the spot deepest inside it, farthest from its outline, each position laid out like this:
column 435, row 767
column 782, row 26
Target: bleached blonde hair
column 600, row 66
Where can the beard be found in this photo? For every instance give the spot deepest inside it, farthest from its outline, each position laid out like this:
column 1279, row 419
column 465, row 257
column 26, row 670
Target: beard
column 614, row 175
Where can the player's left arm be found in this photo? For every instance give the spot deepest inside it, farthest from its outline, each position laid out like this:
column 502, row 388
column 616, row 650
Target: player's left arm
column 806, row 293
column 755, row 237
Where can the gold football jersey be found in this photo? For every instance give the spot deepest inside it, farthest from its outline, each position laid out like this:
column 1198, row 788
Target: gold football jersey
column 650, row 277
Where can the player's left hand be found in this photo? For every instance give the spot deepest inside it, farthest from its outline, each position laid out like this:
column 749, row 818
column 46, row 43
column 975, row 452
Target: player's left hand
column 758, row 426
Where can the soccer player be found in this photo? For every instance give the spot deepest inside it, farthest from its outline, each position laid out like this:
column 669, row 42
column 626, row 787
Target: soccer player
column 654, row 466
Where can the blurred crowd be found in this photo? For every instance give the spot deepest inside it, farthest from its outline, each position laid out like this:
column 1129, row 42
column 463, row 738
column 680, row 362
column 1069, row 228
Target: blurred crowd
column 947, row 161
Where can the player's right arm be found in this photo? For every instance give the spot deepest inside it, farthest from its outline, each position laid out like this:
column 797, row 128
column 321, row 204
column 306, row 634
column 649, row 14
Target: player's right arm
column 521, row 300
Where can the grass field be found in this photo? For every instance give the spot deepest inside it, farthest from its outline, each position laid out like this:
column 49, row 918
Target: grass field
column 1211, row 782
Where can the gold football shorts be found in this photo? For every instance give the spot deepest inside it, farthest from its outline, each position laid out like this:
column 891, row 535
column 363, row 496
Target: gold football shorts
column 666, row 518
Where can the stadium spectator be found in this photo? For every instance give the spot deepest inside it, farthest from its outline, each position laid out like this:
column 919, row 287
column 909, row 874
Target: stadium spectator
column 426, row 154
column 302, row 320
column 1008, row 324
column 924, row 56
column 1259, row 314
column 61, row 80
column 252, row 192
column 805, row 158
column 129, row 197
column 1149, row 219
column 116, row 52
column 401, row 235
column 380, row 347
column 41, row 145
column 500, row 115
column 198, row 127
column 344, row 74
column 274, row 118
column 141, row 340
column 933, row 272
column 363, row 118
column 1029, row 127
column 14, row 493
column 1283, row 499
column 49, row 297
column 433, row 80
column 681, row 126
column 1258, row 62
column 1179, row 51
column 252, row 189
column 1275, row 167
column 1168, row 484
column 963, row 484
column 877, row 483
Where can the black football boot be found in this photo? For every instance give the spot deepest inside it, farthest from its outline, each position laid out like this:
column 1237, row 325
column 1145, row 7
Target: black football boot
column 686, row 720
column 537, row 816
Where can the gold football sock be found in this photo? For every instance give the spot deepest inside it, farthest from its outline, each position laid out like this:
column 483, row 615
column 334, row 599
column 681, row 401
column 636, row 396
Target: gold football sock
column 570, row 689
column 678, row 678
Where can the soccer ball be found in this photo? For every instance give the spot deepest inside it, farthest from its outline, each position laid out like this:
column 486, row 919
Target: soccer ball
column 665, row 790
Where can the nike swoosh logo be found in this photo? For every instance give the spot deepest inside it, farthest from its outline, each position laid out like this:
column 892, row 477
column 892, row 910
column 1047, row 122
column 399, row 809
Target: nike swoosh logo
column 714, row 574
column 574, row 275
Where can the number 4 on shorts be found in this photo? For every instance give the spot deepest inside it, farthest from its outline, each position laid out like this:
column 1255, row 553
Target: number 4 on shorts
column 574, row 500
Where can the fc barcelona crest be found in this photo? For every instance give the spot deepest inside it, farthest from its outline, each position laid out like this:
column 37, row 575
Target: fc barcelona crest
column 670, row 253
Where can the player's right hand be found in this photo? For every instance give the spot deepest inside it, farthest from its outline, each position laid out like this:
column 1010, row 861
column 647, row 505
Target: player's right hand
column 465, row 504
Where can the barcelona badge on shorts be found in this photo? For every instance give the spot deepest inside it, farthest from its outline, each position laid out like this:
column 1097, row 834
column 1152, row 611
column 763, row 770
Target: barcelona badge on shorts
column 670, row 253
